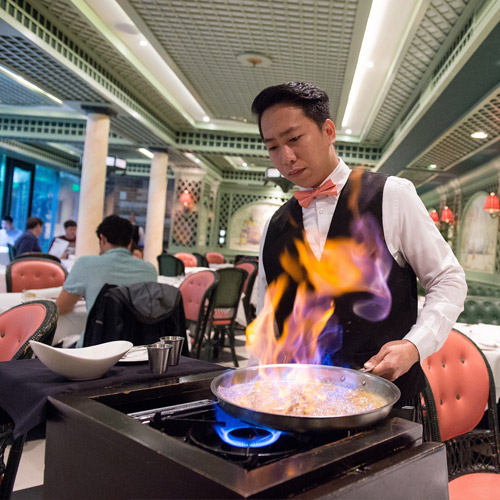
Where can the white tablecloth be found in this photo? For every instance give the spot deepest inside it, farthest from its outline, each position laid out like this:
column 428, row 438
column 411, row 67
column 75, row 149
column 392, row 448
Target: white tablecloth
column 69, row 326
column 487, row 338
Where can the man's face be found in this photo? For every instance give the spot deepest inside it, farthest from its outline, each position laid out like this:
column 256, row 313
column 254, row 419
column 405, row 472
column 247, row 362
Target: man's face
column 38, row 230
column 7, row 225
column 70, row 232
column 302, row 152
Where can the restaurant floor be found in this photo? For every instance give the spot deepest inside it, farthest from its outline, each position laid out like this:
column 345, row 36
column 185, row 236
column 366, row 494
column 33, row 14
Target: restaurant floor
column 29, row 479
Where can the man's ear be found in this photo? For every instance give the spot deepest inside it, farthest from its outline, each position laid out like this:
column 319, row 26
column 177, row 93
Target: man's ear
column 329, row 129
column 103, row 239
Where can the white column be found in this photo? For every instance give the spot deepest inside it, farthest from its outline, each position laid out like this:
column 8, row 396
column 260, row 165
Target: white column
column 93, row 182
column 157, row 199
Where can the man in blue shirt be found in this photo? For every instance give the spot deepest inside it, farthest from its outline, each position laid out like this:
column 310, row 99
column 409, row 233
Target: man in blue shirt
column 28, row 241
column 8, row 233
column 114, row 266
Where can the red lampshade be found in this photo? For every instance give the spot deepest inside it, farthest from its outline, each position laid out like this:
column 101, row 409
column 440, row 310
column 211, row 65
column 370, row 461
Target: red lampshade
column 447, row 215
column 186, row 198
column 492, row 204
column 434, row 215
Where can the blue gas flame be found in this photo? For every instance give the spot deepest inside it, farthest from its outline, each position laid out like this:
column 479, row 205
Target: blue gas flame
column 235, row 432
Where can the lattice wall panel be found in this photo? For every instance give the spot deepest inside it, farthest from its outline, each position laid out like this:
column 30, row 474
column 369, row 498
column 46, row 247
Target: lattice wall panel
column 185, row 221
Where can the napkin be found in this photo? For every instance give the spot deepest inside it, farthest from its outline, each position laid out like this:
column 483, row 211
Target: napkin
column 42, row 293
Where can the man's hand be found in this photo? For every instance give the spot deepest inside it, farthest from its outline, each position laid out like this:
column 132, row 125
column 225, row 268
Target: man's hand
column 393, row 360
column 66, row 301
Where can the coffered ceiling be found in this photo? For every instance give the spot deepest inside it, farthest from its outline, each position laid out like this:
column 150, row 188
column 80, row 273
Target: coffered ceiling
column 182, row 74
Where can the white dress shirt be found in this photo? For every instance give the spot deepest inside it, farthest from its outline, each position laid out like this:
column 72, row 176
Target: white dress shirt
column 411, row 237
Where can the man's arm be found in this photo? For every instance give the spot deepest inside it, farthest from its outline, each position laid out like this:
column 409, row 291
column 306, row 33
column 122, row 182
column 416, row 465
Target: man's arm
column 413, row 238
column 66, row 301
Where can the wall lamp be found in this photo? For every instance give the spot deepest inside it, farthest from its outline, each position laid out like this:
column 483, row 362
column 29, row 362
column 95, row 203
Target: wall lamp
column 492, row 205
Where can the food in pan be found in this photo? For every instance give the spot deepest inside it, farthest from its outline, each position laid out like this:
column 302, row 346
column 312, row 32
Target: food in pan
column 301, row 399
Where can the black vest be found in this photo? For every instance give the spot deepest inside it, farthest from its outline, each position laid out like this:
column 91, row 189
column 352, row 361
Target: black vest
column 361, row 338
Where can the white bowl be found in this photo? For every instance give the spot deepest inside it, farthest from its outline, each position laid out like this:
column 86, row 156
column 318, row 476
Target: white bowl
column 86, row 363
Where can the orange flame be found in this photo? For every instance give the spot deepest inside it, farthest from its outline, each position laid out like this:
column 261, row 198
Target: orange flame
column 346, row 265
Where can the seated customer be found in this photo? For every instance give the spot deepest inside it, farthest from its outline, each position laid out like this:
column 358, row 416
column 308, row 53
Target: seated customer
column 28, row 241
column 8, row 234
column 114, row 266
column 69, row 236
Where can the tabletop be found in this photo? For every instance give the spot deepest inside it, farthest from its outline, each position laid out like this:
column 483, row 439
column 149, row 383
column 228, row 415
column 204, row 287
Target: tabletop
column 26, row 385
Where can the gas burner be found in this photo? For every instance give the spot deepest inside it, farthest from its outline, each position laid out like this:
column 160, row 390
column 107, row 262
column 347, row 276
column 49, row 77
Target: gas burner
column 209, row 439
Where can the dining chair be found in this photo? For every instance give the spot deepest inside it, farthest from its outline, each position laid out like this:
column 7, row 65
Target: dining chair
column 215, row 258
column 222, row 317
column 33, row 273
column 36, row 320
column 168, row 265
column 459, row 386
column 197, row 296
column 201, row 259
column 37, row 255
column 251, row 267
column 12, row 251
column 188, row 259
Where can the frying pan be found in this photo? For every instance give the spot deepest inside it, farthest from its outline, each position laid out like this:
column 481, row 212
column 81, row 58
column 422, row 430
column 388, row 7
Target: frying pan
column 343, row 377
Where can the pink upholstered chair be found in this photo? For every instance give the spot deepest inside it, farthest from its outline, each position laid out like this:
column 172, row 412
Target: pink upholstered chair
column 25, row 274
column 459, row 386
column 215, row 258
column 197, row 297
column 36, row 320
column 188, row 259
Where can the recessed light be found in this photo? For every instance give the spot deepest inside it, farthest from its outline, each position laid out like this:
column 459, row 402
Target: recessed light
column 244, row 164
column 143, row 43
column 479, row 135
column 348, row 131
column 254, row 59
column 432, row 166
column 206, row 119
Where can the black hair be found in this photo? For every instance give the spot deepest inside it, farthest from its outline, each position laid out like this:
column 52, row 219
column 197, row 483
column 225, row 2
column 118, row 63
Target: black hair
column 313, row 101
column 69, row 223
column 117, row 230
column 8, row 218
column 32, row 222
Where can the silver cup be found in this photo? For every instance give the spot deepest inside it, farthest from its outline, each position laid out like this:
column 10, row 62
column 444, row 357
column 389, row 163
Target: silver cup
column 176, row 343
column 158, row 355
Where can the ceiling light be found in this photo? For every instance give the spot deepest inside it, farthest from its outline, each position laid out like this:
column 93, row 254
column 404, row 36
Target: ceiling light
column 348, row 131
column 432, row 166
column 143, row 43
column 206, row 119
column 479, row 135
column 19, row 79
column 370, row 64
column 146, row 152
column 254, row 59
column 244, row 164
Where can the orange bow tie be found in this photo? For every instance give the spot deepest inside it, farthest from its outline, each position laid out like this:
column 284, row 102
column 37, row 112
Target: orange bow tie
column 305, row 197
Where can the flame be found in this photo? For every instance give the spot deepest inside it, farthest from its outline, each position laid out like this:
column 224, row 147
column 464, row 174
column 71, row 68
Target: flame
column 360, row 263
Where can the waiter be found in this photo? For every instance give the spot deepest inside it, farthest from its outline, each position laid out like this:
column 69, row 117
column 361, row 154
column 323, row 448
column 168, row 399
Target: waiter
column 296, row 127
